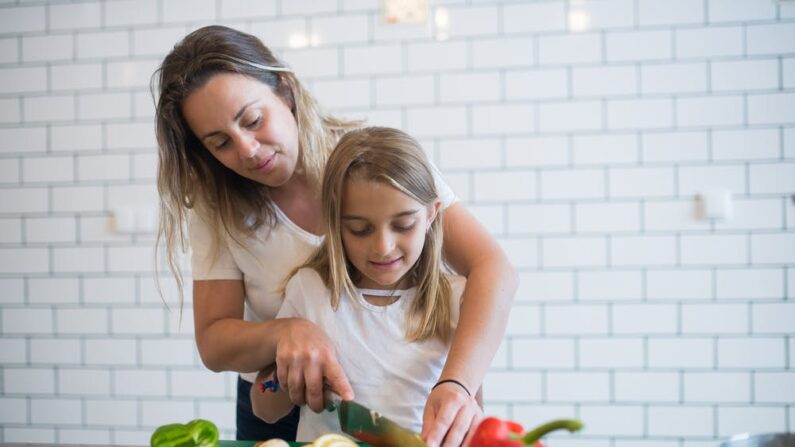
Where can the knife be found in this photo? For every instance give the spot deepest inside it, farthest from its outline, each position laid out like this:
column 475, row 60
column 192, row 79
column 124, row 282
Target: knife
column 369, row 426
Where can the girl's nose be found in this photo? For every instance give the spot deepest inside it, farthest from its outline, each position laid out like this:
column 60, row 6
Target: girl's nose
column 384, row 243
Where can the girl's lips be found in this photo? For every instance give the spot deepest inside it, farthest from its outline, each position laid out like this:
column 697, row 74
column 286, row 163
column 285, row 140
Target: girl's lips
column 387, row 265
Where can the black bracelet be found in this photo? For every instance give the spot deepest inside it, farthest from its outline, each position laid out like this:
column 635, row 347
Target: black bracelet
column 452, row 381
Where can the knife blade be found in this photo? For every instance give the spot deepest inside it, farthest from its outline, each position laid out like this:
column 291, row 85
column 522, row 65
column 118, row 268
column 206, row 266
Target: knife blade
column 369, row 426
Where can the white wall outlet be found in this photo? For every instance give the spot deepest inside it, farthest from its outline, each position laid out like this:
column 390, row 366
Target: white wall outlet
column 716, row 203
column 124, row 219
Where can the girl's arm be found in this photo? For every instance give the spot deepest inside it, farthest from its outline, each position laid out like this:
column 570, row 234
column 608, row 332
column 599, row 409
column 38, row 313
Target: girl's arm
column 270, row 406
column 491, row 283
column 304, row 354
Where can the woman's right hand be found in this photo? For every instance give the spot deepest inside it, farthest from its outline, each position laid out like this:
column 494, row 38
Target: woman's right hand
column 306, row 361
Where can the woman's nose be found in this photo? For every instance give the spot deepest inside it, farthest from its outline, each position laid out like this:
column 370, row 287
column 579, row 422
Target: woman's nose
column 247, row 146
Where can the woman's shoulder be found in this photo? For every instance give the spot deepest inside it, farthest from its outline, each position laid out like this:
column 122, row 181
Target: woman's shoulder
column 205, row 223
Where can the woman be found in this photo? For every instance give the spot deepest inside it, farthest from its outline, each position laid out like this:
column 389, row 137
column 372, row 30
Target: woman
column 242, row 147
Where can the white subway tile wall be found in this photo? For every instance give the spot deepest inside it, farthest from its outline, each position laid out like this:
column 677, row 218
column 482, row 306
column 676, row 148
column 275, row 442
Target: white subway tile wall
column 580, row 133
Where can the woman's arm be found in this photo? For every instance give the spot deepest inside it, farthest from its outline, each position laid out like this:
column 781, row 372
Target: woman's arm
column 270, row 406
column 304, row 354
column 225, row 341
column 491, row 283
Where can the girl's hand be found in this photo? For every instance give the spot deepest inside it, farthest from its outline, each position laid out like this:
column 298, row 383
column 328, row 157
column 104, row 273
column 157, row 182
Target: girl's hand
column 451, row 417
column 306, row 361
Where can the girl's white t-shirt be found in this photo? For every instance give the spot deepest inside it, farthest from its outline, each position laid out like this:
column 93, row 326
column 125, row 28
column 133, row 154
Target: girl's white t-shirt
column 388, row 373
column 263, row 260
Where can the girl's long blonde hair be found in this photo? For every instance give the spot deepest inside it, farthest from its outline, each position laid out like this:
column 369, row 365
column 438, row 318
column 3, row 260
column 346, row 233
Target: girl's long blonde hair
column 392, row 157
column 189, row 177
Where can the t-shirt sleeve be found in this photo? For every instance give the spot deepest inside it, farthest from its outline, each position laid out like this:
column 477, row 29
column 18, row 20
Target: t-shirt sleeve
column 446, row 193
column 205, row 264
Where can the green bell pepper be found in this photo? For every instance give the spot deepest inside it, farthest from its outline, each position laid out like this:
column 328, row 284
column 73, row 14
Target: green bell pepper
column 196, row 433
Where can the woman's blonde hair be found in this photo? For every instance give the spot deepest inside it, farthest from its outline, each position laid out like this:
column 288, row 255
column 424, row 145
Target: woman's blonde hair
column 392, row 157
column 189, row 177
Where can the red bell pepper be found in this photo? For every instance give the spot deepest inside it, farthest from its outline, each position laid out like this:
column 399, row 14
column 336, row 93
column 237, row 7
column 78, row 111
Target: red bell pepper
column 494, row 432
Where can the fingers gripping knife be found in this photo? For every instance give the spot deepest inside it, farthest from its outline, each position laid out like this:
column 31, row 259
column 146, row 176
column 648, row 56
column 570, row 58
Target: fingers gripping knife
column 369, row 426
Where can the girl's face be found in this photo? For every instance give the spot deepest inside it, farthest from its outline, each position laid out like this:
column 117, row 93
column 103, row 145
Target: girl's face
column 383, row 231
column 245, row 126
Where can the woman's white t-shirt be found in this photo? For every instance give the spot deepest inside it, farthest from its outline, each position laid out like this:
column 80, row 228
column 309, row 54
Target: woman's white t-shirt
column 263, row 260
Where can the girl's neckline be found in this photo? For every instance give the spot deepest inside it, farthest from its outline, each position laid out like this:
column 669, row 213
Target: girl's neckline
column 362, row 292
column 382, row 292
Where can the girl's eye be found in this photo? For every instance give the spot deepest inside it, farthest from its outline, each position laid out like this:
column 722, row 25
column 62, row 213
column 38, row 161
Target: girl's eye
column 360, row 233
column 403, row 225
column 403, row 228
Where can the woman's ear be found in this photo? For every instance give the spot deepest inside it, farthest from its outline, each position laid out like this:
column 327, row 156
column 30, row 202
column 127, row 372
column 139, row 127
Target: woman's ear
column 284, row 90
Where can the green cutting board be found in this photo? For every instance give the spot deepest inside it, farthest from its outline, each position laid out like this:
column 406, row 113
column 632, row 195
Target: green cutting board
column 247, row 443
column 251, row 443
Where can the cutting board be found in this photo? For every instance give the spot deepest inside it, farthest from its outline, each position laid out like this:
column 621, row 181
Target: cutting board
column 251, row 443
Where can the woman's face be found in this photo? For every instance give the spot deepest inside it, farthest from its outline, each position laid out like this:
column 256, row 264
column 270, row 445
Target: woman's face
column 383, row 231
column 246, row 126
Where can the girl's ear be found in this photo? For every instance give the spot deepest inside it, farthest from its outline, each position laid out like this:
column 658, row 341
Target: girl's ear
column 433, row 210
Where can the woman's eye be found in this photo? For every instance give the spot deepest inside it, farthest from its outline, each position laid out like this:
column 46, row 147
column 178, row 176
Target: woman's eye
column 222, row 144
column 254, row 123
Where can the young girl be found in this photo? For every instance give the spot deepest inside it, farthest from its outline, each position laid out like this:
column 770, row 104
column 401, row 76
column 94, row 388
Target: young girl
column 376, row 284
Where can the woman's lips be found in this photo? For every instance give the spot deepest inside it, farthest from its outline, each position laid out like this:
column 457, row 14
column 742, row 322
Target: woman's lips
column 266, row 164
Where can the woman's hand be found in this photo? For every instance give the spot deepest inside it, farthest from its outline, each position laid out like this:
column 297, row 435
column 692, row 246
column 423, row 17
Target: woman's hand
column 306, row 361
column 451, row 416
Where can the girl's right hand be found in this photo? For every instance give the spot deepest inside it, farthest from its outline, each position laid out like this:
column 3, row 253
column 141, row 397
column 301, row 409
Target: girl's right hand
column 450, row 417
column 306, row 361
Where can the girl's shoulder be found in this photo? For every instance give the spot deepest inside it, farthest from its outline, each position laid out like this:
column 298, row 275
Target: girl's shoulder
column 307, row 274
column 306, row 279
column 304, row 291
